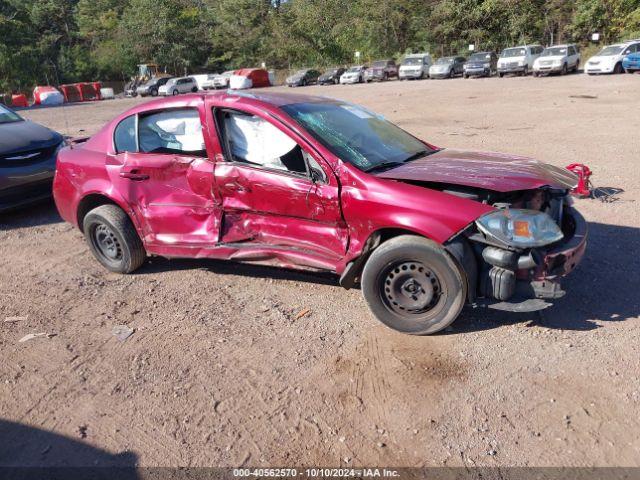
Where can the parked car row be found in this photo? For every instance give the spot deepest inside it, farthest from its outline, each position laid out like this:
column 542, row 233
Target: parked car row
column 522, row 60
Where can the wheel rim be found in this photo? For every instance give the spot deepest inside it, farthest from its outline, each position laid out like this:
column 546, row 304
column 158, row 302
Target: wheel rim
column 106, row 243
column 410, row 288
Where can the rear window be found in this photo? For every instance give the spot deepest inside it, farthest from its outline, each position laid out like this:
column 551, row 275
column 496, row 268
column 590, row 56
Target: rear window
column 124, row 136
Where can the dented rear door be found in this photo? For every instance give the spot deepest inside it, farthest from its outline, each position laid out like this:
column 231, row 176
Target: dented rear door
column 168, row 181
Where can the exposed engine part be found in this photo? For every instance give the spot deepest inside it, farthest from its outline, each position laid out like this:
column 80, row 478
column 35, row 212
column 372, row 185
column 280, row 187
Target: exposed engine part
column 499, row 283
column 498, row 257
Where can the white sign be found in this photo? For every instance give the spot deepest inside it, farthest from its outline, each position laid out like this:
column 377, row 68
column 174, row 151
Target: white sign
column 264, row 65
column 472, row 47
column 357, row 54
column 595, row 37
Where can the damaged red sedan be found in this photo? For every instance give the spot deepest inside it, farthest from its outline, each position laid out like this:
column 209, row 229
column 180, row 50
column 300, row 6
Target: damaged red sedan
column 320, row 184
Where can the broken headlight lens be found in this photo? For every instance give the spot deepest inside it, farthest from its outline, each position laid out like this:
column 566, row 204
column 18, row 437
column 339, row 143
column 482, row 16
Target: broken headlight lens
column 520, row 228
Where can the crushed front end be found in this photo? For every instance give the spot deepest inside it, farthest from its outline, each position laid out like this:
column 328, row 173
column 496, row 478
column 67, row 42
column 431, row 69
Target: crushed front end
column 523, row 249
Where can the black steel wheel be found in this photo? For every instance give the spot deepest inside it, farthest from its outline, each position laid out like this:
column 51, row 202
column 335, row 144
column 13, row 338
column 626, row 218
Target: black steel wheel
column 113, row 239
column 412, row 285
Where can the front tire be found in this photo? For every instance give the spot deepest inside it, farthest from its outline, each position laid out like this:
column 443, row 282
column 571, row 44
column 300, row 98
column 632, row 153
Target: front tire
column 154, row 92
column 618, row 69
column 412, row 285
column 113, row 239
column 175, row 92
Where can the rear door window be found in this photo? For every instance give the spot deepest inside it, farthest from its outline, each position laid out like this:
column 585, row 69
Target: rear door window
column 176, row 131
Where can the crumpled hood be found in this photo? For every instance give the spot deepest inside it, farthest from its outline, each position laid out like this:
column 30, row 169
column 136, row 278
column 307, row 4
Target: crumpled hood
column 492, row 171
column 25, row 135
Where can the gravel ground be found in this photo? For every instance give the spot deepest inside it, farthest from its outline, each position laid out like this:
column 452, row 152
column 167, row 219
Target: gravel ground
column 224, row 370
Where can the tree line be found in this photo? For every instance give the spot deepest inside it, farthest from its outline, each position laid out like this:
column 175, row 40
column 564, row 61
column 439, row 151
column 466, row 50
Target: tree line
column 60, row 41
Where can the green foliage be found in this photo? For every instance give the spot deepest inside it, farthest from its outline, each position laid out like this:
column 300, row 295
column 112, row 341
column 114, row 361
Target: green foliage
column 57, row 41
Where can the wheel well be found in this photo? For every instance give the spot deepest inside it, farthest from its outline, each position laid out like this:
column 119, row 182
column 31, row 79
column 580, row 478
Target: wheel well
column 351, row 274
column 90, row 202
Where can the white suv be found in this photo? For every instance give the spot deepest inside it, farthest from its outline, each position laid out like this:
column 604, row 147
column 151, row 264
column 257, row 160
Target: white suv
column 557, row 59
column 415, row 66
column 609, row 60
column 176, row 86
column 518, row 59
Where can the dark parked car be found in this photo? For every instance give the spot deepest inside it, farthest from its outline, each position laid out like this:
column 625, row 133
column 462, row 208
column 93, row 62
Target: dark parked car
column 381, row 70
column 481, row 64
column 152, row 86
column 27, row 160
column 331, row 76
column 303, row 77
column 314, row 183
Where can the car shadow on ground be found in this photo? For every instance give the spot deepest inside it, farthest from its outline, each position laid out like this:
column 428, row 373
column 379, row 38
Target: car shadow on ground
column 28, row 452
column 602, row 289
column 41, row 213
column 223, row 267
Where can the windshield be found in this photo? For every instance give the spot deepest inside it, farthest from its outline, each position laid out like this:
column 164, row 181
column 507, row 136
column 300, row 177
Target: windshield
column 514, row 52
column 480, row 57
column 412, row 61
column 301, row 72
column 355, row 135
column 444, row 61
column 382, row 63
column 331, row 72
column 613, row 50
column 354, row 69
column 554, row 52
column 7, row 116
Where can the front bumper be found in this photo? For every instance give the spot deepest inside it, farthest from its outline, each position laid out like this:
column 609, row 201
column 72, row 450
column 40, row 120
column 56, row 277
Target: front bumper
column 346, row 81
column 403, row 74
column 446, row 74
column 547, row 69
column 373, row 75
column 534, row 274
column 598, row 68
column 478, row 72
column 511, row 68
column 24, row 185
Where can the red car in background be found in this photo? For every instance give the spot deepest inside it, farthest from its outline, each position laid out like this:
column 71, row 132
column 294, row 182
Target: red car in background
column 319, row 184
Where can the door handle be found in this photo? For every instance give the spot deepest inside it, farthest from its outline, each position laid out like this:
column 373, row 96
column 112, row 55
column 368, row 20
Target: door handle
column 134, row 175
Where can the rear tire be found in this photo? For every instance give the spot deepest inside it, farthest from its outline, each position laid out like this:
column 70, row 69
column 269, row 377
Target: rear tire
column 412, row 285
column 618, row 68
column 175, row 92
column 113, row 239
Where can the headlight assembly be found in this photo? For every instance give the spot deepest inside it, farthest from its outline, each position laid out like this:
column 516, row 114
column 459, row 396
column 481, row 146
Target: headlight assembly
column 520, row 228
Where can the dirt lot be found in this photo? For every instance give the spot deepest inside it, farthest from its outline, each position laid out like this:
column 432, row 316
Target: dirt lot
column 221, row 371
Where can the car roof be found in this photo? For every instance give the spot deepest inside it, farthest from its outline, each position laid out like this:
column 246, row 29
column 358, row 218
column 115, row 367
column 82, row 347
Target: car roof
column 417, row 55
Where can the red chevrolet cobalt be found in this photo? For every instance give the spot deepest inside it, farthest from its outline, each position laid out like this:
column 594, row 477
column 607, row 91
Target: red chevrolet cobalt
column 319, row 184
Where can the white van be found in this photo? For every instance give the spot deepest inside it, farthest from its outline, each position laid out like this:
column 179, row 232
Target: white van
column 415, row 65
column 518, row 59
